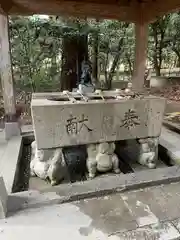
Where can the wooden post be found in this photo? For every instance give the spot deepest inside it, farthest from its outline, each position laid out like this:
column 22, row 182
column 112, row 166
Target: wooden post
column 141, row 31
column 11, row 127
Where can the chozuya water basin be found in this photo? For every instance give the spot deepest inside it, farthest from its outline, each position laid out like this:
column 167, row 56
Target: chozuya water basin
column 66, row 119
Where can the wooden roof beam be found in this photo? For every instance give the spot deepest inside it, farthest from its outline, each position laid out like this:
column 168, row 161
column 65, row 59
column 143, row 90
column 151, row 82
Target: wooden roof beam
column 72, row 8
column 5, row 6
column 151, row 11
column 1, row 10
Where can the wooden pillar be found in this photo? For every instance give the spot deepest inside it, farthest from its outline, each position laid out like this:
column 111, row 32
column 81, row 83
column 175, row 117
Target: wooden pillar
column 11, row 127
column 141, row 34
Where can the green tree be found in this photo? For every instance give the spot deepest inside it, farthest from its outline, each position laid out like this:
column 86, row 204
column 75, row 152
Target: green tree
column 74, row 51
column 173, row 37
column 111, row 46
column 158, row 42
column 33, row 49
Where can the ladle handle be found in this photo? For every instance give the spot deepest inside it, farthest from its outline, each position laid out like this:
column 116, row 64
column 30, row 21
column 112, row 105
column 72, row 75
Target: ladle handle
column 83, row 97
column 70, row 97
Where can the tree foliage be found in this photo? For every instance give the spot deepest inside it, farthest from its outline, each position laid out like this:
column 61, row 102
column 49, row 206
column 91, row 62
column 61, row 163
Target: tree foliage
column 37, row 47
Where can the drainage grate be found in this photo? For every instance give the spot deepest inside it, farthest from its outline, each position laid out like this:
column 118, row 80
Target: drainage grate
column 22, row 178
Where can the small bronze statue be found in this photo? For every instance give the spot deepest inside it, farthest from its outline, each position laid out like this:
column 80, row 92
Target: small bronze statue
column 85, row 84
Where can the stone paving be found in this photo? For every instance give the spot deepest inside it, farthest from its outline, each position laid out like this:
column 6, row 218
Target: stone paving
column 151, row 213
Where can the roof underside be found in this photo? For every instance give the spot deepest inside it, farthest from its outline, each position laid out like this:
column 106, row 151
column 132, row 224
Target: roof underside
column 125, row 10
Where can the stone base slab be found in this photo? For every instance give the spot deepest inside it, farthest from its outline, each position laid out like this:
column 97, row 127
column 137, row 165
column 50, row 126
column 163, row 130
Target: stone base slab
column 3, row 199
column 115, row 184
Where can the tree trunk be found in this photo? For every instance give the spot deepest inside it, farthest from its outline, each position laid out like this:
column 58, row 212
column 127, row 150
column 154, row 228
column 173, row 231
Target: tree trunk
column 178, row 62
column 157, row 61
column 74, row 51
column 53, row 69
column 157, row 65
column 95, row 55
column 105, row 67
column 177, row 52
column 158, row 70
column 114, row 64
column 130, row 64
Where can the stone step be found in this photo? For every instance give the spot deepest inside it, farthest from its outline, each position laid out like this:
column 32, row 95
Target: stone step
column 3, row 199
column 9, row 161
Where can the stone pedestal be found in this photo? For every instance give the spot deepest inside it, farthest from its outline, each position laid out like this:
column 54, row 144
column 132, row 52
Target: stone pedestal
column 47, row 164
column 12, row 129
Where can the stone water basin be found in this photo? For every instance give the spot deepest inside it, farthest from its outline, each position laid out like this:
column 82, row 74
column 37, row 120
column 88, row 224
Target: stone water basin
column 61, row 121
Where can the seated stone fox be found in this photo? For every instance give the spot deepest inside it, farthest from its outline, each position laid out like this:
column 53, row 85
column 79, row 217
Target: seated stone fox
column 101, row 157
column 148, row 153
column 47, row 164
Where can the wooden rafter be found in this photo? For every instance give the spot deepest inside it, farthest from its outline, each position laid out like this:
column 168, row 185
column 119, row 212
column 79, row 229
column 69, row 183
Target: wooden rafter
column 5, row 6
column 125, row 10
column 159, row 8
column 75, row 8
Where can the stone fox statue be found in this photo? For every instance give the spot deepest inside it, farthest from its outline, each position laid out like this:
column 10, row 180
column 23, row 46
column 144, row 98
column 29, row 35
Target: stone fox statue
column 101, row 157
column 148, row 154
column 47, row 164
